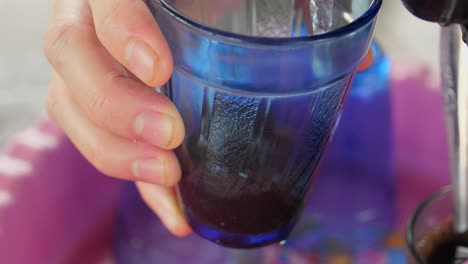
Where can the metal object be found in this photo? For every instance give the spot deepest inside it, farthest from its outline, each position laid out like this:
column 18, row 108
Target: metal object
column 444, row 12
column 454, row 63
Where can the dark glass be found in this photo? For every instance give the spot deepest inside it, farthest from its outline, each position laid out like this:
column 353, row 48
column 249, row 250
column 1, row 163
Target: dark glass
column 440, row 245
column 444, row 12
column 430, row 235
column 444, row 251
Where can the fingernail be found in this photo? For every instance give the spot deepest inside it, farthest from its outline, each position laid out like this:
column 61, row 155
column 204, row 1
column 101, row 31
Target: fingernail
column 150, row 170
column 155, row 128
column 141, row 59
column 178, row 225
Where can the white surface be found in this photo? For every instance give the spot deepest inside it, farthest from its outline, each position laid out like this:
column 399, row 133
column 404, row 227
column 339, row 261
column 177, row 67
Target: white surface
column 406, row 37
column 24, row 71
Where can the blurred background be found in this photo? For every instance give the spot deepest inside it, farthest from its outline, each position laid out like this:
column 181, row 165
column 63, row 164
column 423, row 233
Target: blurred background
column 24, row 76
column 24, row 71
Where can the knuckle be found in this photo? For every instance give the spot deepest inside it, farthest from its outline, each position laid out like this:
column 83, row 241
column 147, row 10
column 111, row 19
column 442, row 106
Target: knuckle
column 101, row 100
column 97, row 157
column 97, row 106
column 112, row 15
column 52, row 99
column 55, row 39
column 104, row 104
column 52, row 105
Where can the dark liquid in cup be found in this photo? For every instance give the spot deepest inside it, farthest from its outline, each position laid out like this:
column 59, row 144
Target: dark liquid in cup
column 248, row 162
column 445, row 251
column 249, row 159
column 445, row 247
column 257, row 207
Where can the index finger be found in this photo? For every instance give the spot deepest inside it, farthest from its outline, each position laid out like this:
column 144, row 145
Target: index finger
column 128, row 30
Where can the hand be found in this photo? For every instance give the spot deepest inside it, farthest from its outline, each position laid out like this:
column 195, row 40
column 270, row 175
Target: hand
column 108, row 54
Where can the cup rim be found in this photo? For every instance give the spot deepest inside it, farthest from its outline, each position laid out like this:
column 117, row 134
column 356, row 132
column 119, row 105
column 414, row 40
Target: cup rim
column 365, row 18
column 410, row 238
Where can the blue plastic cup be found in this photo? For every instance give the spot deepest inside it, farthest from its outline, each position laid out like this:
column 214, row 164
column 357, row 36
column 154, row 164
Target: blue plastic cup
column 260, row 97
